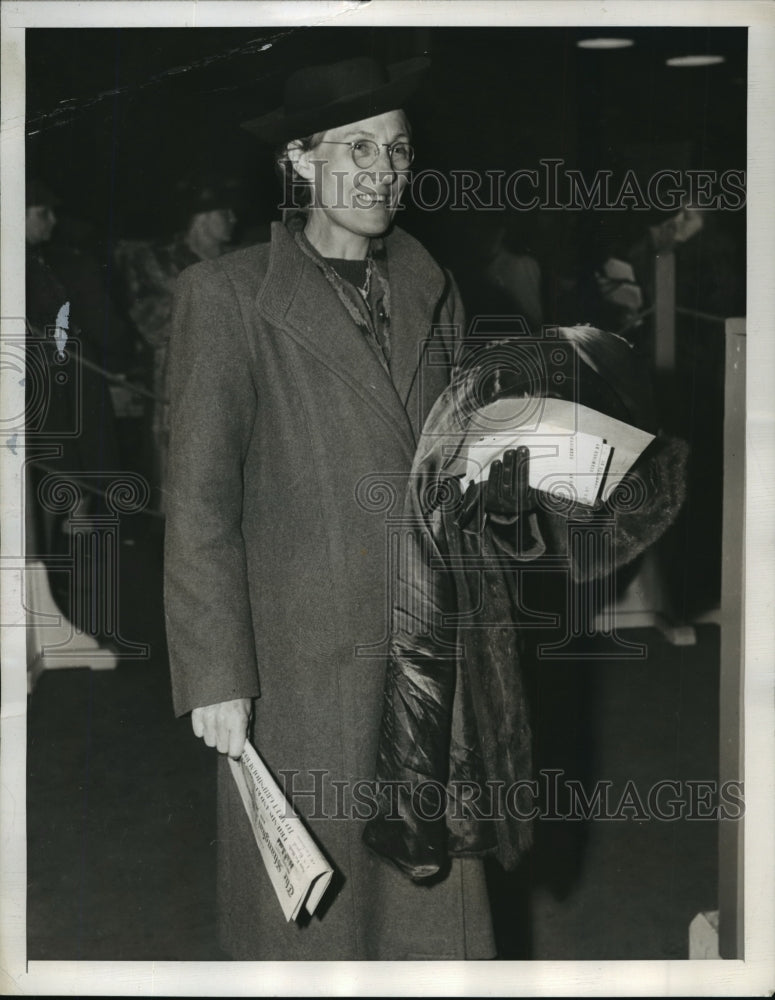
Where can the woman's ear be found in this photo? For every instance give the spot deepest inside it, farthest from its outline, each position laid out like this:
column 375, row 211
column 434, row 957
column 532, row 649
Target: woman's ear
column 299, row 159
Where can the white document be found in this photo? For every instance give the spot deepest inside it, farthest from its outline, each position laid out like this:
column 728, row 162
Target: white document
column 575, row 452
column 297, row 869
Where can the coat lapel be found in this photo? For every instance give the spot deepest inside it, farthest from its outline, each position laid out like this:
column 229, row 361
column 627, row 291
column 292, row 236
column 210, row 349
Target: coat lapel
column 416, row 286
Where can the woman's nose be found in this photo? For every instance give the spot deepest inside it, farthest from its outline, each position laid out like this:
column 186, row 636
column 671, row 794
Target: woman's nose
column 384, row 165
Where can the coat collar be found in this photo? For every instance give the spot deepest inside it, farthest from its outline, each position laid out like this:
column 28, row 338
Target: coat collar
column 296, row 296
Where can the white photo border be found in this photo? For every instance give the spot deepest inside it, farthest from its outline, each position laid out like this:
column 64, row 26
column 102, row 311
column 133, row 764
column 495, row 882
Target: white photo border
column 753, row 976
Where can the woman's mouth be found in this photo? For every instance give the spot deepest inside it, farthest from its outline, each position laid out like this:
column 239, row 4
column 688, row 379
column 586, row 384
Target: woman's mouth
column 372, row 200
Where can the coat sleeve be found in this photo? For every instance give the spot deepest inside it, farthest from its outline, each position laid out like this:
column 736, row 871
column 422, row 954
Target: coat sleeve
column 212, row 412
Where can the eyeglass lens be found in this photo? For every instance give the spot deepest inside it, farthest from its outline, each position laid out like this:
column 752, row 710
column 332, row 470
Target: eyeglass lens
column 366, row 152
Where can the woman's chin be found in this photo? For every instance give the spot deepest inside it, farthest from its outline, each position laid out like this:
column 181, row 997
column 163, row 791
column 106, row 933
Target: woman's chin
column 374, row 219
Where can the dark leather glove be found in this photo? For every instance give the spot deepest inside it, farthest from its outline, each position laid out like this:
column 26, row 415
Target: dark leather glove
column 508, row 495
column 504, row 508
column 503, row 498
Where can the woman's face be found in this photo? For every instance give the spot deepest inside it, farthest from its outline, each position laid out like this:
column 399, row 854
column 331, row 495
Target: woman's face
column 39, row 224
column 219, row 223
column 350, row 204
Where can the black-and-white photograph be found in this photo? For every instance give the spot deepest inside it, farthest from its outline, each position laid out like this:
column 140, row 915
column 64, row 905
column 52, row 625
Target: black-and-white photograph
column 377, row 434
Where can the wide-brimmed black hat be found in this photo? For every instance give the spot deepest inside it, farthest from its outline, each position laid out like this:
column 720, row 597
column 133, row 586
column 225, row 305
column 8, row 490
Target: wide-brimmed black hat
column 202, row 192
column 318, row 98
column 39, row 193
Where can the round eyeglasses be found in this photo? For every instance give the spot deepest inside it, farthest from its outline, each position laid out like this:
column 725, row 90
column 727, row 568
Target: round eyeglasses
column 365, row 152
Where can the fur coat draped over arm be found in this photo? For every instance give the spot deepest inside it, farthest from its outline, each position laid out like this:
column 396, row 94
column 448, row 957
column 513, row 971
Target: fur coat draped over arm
column 454, row 761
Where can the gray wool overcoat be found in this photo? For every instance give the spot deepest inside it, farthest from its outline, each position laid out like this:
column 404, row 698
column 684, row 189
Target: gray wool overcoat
column 290, row 447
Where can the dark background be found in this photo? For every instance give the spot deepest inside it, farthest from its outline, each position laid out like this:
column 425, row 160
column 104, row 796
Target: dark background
column 116, row 116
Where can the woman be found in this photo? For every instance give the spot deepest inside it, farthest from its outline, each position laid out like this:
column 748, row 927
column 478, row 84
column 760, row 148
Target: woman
column 205, row 225
column 301, row 374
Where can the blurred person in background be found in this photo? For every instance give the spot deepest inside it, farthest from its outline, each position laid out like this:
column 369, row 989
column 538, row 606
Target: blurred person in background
column 498, row 272
column 204, row 223
column 73, row 330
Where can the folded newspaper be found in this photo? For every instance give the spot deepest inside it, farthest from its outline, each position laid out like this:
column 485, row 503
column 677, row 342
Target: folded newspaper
column 575, row 453
column 296, row 867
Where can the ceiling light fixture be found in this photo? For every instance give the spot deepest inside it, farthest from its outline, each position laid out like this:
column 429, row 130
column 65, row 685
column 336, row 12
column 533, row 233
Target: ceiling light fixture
column 695, row 60
column 605, row 43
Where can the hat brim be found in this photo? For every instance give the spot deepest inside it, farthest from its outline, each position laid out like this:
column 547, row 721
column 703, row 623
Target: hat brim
column 39, row 195
column 277, row 127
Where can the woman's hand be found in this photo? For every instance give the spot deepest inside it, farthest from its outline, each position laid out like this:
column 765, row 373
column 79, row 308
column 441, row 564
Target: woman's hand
column 507, row 494
column 223, row 725
column 503, row 508
column 503, row 498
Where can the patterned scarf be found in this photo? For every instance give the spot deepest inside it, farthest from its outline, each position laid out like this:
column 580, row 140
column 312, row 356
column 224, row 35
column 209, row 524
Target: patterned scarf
column 370, row 314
